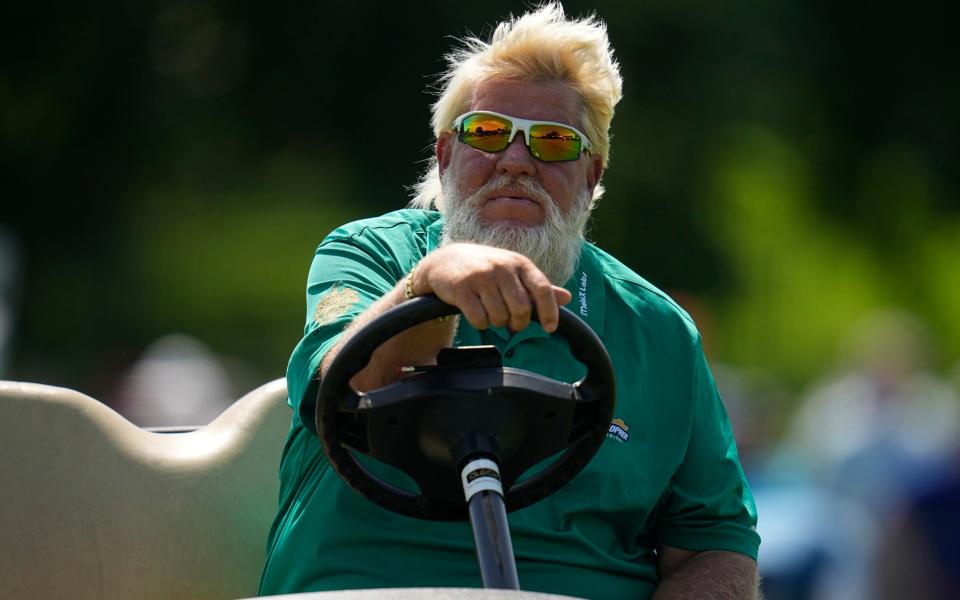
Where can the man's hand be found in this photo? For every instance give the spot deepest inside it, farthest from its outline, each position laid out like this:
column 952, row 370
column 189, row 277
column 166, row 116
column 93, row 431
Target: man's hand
column 490, row 286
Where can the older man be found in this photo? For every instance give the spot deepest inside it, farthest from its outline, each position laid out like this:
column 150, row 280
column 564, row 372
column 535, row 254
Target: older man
column 664, row 509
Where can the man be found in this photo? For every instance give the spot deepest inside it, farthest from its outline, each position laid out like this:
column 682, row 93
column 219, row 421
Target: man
column 663, row 510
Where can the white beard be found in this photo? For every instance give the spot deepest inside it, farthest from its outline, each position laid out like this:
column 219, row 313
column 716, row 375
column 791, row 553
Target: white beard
column 554, row 246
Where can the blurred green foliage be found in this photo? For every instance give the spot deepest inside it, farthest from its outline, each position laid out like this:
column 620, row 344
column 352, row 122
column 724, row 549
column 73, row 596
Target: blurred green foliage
column 170, row 166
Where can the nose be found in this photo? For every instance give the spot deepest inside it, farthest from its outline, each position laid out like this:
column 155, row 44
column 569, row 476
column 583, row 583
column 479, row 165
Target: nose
column 516, row 159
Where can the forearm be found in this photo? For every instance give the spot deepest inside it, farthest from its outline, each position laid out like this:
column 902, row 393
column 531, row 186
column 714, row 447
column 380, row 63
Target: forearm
column 711, row 576
column 416, row 346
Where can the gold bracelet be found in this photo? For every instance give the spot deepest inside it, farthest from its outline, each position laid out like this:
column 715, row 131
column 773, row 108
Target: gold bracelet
column 408, row 287
column 409, row 295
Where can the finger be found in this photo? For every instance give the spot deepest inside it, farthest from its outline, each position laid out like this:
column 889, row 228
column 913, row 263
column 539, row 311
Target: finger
column 493, row 304
column 517, row 300
column 542, row 294
column 473, row 311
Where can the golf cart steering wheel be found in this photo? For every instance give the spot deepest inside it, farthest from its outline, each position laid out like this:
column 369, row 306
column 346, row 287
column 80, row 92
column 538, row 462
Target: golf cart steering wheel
column 430, row 422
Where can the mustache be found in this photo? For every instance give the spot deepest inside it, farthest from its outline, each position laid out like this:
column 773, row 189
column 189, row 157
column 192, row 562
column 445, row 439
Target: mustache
column 504, row 184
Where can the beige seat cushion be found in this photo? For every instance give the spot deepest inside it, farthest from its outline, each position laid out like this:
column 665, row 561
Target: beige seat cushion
column 91, row 506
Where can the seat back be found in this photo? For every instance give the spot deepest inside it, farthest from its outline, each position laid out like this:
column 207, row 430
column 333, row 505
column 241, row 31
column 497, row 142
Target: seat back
column 91, row 506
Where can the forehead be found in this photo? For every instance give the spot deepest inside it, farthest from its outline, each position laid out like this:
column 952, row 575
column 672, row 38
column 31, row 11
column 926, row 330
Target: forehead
column 549, row 101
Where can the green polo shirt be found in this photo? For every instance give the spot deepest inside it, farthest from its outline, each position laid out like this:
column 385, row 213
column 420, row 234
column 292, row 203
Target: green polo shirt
column 668, row 472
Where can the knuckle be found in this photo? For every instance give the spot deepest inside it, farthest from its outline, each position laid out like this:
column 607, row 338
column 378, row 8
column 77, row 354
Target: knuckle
column 523, row 319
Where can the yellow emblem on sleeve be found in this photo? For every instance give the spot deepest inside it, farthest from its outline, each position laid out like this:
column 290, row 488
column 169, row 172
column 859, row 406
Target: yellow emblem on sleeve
column 333, row 303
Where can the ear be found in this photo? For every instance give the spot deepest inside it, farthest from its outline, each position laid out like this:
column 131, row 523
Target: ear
column 594, row 172
column 443, row 150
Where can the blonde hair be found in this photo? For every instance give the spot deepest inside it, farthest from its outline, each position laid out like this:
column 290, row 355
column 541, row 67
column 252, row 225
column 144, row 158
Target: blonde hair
column 542, row 45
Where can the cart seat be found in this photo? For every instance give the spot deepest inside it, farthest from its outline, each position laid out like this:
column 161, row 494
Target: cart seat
column 92, row 506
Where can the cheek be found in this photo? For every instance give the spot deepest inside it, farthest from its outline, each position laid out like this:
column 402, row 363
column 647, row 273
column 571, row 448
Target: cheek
column 564, row 187
column 473, row 170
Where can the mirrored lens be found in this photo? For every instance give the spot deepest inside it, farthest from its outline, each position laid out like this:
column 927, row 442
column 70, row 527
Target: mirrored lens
column 485, row 132
column 554, row 143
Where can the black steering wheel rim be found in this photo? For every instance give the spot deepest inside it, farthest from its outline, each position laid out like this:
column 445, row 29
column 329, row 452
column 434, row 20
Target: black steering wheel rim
column 336, row 401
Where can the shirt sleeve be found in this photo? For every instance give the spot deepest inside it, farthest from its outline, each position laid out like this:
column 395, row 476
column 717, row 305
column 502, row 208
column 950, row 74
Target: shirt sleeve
column 709, row 505
column 347, row 275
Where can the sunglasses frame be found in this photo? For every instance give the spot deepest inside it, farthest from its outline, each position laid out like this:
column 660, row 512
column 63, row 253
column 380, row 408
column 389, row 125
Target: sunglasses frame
column 518, row 124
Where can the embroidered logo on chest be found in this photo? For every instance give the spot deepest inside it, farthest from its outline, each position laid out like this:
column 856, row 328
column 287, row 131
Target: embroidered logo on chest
column 619, row 430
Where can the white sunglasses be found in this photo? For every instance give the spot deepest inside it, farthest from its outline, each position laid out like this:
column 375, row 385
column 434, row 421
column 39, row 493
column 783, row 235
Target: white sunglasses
column 547, row 140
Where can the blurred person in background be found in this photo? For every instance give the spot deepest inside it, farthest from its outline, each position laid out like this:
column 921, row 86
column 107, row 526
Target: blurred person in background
column 869, row 447
column 178, row 382
column 522, row 140
column 885, row 423
column 919, row 552
column 919, row 555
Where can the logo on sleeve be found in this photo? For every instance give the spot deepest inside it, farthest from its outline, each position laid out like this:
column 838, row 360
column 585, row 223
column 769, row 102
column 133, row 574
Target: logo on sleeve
column 619, row 430
column 334, row 303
